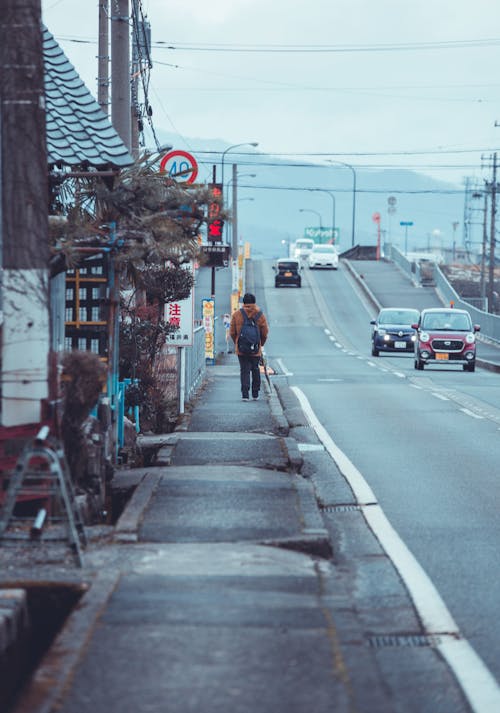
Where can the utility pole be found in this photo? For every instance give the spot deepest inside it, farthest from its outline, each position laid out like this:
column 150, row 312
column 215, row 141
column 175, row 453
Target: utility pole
column 234, row 246
column 136, row 68
column 103, row 57
column 485, row 242
column 24, row 222
column 120, row 70
column 491, row 272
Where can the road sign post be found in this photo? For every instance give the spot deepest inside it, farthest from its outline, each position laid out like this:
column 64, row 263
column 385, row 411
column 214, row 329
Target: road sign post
column 406, row 224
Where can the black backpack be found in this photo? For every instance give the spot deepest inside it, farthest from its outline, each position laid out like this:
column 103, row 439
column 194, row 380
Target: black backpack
column 249, row 339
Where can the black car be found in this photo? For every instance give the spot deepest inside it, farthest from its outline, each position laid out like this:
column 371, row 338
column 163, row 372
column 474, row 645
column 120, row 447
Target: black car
column 287, row 272
column 393, row 331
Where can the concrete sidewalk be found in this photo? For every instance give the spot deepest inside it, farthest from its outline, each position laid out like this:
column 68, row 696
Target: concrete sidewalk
column 240, row 578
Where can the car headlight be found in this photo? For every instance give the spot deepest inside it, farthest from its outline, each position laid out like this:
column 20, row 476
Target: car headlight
column 424, row 337
column 470, row 338
column 381, row 331
column 413, row 337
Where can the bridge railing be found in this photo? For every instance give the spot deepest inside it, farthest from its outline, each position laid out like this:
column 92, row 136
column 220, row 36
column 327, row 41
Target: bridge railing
column 490, row 323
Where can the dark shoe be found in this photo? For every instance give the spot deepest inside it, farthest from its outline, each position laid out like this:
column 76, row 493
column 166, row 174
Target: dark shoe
column 245, row 398
column 255, row 397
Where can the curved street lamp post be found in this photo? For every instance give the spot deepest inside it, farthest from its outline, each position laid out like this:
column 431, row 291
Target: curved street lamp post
column 332, row 196
column 310, row 210
column 234, row 245
column 348, row 165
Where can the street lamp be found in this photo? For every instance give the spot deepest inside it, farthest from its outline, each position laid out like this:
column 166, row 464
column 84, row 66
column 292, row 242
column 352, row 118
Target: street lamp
column 310, row 210
column 332, row 196
column 230, row 148
column 348, row 165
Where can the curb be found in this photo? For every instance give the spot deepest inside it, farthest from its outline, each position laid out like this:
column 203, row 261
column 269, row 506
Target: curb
column 126, row 529
column 52, row 677
column 359, row 280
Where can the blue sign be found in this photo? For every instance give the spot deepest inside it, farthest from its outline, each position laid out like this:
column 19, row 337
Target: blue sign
column 406, row 222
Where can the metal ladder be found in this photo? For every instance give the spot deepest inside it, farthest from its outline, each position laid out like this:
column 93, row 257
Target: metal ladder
column 54, row 479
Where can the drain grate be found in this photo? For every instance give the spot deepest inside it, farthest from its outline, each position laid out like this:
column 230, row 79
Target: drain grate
column 340, row 508
column 402, row 641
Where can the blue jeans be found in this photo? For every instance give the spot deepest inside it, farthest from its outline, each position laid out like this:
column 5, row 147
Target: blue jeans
column 249, row 365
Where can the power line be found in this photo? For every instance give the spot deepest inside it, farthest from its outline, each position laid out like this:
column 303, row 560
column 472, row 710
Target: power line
column 316, row 49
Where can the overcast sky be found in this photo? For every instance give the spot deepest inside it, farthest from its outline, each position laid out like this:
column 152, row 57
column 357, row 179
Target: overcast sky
column 367, row 98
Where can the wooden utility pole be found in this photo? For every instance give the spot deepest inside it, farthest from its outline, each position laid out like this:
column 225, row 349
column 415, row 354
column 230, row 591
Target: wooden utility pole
column 24, row 221
column 491, row 272
column 103, row 57
column 120, row 70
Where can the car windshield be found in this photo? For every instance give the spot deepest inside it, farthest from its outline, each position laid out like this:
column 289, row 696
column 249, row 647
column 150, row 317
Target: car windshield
column 304, row 244
column 447, row 321
column 287, row 265
column 398, row 316
column 323, row 249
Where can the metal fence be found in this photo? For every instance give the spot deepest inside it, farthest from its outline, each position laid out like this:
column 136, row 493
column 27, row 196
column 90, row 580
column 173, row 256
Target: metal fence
column 490, row 323
column 191, row 367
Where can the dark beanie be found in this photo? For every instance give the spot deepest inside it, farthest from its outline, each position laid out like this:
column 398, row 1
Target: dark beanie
column 248, row 299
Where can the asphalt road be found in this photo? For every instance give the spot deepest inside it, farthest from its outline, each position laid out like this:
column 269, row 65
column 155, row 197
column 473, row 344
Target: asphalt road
column 426, row 442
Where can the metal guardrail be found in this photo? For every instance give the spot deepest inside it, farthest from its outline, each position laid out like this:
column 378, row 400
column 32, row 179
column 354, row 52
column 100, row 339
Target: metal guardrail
column 194, row 364
column 490, row 323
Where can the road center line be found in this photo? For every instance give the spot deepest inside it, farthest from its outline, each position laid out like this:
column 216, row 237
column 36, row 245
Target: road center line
column 475, row 679
column 439, row 396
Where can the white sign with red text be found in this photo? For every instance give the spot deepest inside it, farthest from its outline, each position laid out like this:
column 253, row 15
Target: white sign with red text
column 181, row 315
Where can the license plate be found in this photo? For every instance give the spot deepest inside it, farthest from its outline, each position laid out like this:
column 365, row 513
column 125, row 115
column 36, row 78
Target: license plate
column 288, row 274
column 400, row 345
column 442, row 357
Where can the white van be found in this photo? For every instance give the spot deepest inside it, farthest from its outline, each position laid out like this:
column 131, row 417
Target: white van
column 303, row 248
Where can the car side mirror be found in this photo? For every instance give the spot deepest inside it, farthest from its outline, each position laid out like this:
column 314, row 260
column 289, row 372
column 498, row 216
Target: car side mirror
column 414, row 326
column 274, row 268
column 373, row 321
column 477, row 328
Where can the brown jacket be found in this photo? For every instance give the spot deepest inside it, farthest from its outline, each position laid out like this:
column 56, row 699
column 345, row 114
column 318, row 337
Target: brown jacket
column 237, row 324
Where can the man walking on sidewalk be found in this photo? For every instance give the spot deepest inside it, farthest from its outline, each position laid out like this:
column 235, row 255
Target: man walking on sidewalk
column 249, row 330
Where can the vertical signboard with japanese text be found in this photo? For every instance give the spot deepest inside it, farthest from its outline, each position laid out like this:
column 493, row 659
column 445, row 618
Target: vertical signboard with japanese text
column 180, row 314
column 215, row 224
column 208, row 308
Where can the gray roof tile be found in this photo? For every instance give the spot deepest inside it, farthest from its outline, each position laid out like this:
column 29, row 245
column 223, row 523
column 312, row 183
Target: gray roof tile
column 77, row 128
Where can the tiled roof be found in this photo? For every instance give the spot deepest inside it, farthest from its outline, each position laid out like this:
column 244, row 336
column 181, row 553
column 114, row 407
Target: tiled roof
column 77, row 128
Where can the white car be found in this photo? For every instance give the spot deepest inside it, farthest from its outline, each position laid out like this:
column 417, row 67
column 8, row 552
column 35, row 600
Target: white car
column 303, row 248
column 324, row 256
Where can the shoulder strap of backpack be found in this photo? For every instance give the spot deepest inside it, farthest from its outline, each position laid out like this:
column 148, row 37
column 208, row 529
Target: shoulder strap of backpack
column 255, row 317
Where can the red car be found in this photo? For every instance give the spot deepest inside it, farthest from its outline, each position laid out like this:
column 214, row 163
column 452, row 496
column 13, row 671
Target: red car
column 445, row 336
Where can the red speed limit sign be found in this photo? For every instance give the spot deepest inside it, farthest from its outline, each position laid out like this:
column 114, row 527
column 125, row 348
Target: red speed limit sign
column 180, row 165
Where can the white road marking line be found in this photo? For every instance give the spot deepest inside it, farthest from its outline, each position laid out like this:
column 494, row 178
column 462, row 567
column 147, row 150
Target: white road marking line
column 337, row 344
column 307, row 447
column 330, row 380
column 331, row 338
column 478, row 684
column 399, row 374
column 370, row 363
column 439, row 396
column 414, row 386
column 283, row 368
column 327, row 331
column 471, row 413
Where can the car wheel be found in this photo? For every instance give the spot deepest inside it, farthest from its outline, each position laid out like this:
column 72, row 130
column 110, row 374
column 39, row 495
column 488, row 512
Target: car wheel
column 299, row 284
column 374, row 351
column 419, row 364
column 276, row 284
column 470, row 367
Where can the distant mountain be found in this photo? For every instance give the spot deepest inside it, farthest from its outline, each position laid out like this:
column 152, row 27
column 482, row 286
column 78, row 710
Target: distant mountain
column 282, row 188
